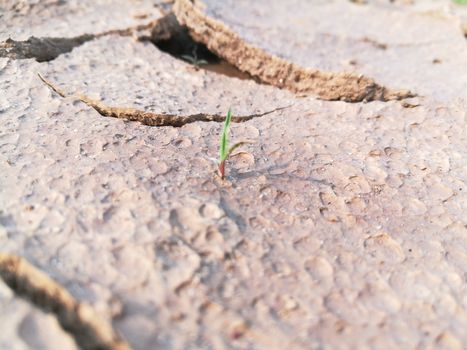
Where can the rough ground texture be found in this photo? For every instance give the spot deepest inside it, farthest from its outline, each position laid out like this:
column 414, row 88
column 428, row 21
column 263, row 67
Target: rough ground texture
column 442, row 8
column 342, row 226
column 155, row 79
column 294, row 43
column 45, row 29
column 68, row 19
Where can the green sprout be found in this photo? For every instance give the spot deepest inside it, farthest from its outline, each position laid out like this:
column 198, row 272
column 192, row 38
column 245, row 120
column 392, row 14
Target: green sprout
column 193, row 59
column 460, row 2
column 224, row 151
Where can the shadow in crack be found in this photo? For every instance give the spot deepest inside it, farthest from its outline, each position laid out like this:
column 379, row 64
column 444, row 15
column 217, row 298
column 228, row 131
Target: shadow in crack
column 169, row 36
column 41, row 49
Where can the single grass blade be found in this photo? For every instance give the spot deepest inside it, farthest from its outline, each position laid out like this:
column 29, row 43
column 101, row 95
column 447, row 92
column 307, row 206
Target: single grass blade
column 223, row 154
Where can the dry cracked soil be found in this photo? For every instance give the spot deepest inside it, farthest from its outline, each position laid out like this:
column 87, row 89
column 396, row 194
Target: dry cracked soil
column 341, row 225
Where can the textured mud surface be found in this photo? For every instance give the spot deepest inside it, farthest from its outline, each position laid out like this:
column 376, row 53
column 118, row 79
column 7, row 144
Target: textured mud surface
column 68, row 19
column 391, row 45
column 270, row 68
column 341, row 226
column 45, row 29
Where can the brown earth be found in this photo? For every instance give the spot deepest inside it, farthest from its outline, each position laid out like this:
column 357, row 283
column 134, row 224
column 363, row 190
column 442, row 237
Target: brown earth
column 341, row 226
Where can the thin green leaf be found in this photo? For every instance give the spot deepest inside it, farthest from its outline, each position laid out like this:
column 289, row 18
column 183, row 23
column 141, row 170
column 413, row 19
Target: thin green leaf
column 193, row 60
column 234, row 147
column 228, row 119
column 189, row 59
column 223, row 154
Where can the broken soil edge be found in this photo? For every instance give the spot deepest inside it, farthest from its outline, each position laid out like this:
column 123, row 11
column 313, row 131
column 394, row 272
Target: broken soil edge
column 274, row 70
column 88, row 330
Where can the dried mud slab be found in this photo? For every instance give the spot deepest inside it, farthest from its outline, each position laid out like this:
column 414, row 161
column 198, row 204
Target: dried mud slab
column 88, row 330
column 152, row 87
column 45, row 29
column 149, row 118
column 293, row 45
column 68, row 19
column 341, row 226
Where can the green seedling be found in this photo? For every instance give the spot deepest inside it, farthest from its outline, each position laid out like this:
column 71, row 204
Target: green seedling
column 460, row 2
column 193, row 59
column 224, row 150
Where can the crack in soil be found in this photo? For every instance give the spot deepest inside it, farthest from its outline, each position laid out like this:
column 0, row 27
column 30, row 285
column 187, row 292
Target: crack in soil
column 150, row 118
column 274, row 70
column 46, row 49
column 79, row 319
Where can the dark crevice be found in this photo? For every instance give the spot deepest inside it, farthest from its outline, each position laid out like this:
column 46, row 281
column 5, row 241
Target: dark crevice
column 171, row 37
column 41, row 49
column 45, row 49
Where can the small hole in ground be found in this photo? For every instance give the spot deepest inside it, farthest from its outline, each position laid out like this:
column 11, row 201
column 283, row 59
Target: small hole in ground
column 169, row 36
